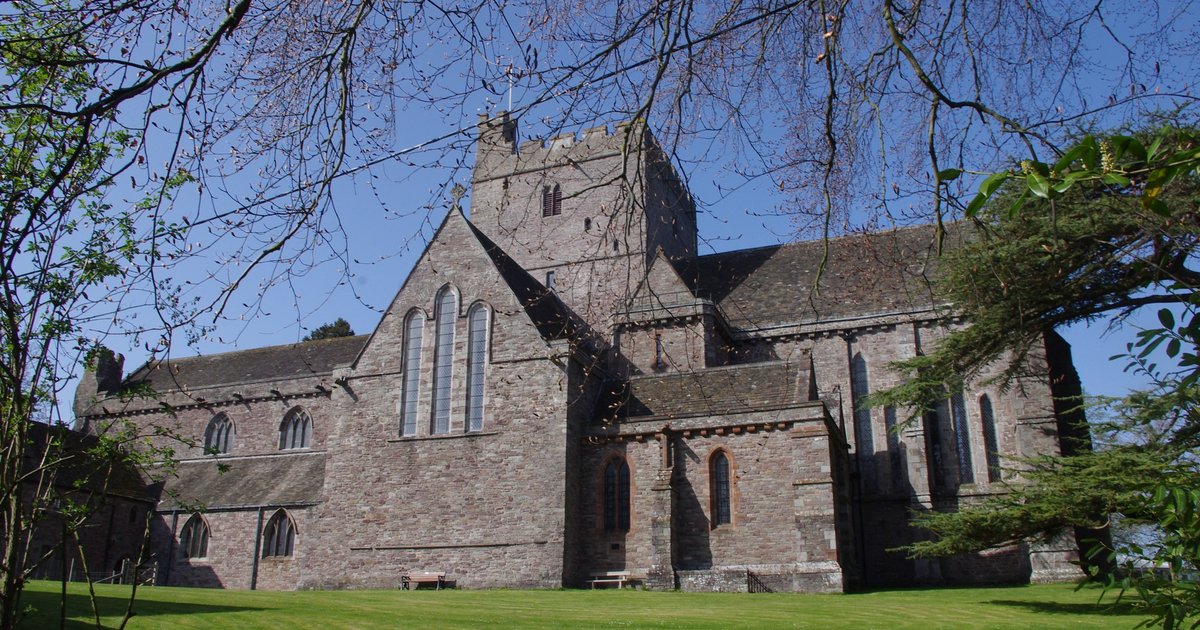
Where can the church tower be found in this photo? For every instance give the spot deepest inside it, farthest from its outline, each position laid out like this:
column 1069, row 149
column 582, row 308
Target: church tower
column 586, row 214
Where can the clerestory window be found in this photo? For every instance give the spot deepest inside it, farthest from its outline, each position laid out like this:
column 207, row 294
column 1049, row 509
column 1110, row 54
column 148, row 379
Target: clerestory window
column 296, row 430
column 218, row 437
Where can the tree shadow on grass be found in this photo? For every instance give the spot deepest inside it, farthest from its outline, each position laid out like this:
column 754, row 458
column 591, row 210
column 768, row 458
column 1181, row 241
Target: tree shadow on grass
column 44, row 609
column 1102, row 608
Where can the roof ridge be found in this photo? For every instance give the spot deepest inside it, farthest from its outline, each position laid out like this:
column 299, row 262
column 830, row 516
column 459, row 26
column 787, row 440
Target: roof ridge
column 840, row 237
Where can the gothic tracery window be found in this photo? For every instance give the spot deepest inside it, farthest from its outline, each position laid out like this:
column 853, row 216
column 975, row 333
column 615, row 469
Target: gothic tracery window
column 279, row 536
column 193, row 539
column 218, row 437
column 296, row 430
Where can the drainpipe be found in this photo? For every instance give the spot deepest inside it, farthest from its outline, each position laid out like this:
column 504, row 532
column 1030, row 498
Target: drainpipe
column 257, row 550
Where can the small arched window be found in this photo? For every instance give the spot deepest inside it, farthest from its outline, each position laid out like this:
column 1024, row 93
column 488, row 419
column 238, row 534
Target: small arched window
column 722, row 497
column 477, row 345
column 616, row 496
column 296, row 430
column 218, row 437
column 412, row 373
column 551, row 200
column 193, row 540
column 443, row 360
column 279, row 536
column 992, row 450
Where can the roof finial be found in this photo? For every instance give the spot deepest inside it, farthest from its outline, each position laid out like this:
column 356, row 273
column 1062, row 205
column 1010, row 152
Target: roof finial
column 456, row 194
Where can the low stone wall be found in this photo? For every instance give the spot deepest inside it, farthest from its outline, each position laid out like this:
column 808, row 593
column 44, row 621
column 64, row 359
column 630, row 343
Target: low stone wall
column 782, row 578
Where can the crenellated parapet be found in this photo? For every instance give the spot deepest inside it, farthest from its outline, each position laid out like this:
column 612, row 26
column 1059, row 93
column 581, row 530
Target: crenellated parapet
column 501, row 153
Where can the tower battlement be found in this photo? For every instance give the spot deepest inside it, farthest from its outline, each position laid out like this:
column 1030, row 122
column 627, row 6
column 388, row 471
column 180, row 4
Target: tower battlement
column 499, row 151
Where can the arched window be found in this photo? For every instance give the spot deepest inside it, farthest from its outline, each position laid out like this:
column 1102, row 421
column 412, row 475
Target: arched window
column 443, row 360
column 477, row 345
column 218, row 437
column 279, row 536
column 193, row 540
column 412, row 373
column 551, row 200
column 616, row 496
column 296, row 430
column 722, row 501
column 864, row 435
column 962, row 439
column 991, row 448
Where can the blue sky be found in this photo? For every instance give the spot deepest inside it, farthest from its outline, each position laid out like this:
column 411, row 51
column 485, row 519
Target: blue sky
column 385, row 216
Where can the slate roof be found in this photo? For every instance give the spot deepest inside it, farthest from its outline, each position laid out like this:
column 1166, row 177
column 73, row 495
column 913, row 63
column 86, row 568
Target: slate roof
column 553, row 318
column 80, row 469
column 711, row 392
column 865, row 275
column 276, row 480
column 297, row 360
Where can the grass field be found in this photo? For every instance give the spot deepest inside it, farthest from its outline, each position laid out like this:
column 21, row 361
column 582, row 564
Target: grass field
column 1046, row 606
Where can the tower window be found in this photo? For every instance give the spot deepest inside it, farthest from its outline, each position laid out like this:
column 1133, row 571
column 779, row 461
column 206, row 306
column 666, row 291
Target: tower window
column 587, row 224
column 551, row 201
column 550, row 280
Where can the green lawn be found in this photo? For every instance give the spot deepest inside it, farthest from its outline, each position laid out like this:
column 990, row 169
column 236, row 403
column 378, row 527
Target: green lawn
column 1049, row 606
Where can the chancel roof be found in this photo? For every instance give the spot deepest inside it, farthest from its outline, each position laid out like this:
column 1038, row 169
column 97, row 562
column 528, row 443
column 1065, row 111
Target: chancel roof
column 713, row 392
column 275, row 480
column 297, row 360
column 863, row 276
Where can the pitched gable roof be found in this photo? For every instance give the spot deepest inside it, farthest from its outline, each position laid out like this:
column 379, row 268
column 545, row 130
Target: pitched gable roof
column 710, row 392
column 864, row 275
column 278, row 480
column 273, row 363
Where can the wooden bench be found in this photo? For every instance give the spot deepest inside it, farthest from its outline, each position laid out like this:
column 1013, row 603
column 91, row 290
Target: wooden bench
column 620, row 578
column 413, row 580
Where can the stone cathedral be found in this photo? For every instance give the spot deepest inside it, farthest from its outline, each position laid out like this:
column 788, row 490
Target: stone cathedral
column 564, row 386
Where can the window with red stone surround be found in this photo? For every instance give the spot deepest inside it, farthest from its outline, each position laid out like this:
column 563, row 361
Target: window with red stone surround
column 720, row 476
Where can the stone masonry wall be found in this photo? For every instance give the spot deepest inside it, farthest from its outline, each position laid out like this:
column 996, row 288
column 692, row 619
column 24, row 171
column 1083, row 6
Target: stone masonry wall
column 486, row 507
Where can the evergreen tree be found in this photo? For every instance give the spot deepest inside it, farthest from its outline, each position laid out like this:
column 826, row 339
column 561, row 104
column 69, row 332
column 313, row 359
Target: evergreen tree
column 339, row 328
